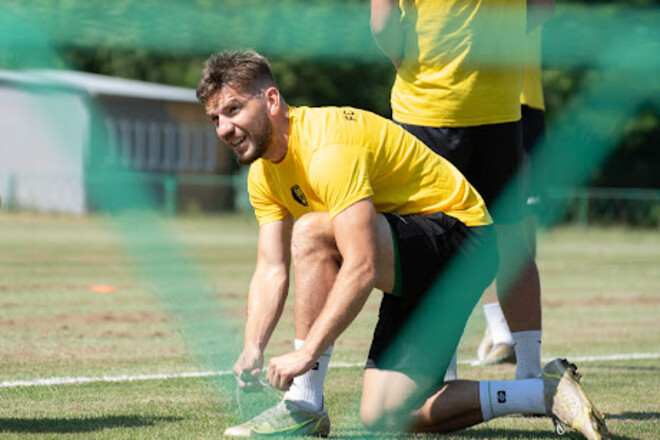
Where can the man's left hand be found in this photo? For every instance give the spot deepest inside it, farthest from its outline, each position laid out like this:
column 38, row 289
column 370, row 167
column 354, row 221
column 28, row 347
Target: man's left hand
column 282, row 369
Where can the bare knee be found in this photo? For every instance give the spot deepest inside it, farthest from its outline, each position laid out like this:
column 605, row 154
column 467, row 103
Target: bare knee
column 384, row 397
column 384, row 419
column 312, row 235
column 370, row 420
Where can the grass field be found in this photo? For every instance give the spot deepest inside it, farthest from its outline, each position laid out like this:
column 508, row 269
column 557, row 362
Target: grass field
column 601, row 297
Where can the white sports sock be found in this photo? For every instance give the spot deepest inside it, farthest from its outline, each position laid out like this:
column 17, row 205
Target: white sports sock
column 307, row 389
column 499, row 329
column 452, row 369
column 527, row 345
column 504, row 397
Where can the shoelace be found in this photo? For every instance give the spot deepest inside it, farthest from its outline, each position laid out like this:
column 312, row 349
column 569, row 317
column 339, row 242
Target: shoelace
column 266, row 389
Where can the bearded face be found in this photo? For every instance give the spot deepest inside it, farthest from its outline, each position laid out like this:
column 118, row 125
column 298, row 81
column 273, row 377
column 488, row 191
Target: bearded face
column 241, row 120
column 258, row 138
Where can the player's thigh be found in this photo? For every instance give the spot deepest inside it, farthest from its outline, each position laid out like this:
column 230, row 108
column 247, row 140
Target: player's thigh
column 513, row 244
column 315, row 229
column 385, row 272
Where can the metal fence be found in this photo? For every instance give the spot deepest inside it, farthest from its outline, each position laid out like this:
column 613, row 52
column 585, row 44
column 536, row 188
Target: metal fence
column 639, row 207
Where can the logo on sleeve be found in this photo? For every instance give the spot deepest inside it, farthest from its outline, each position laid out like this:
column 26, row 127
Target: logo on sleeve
column 501, row 396
column 298, row 195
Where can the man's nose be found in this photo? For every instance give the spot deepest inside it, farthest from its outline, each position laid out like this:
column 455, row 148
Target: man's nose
column 225, row 127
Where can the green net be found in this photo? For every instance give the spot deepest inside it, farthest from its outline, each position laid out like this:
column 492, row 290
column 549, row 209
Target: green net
column 618, row 46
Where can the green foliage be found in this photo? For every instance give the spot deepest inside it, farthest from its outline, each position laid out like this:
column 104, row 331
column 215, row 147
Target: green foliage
column 343, row 82
column 635, row 162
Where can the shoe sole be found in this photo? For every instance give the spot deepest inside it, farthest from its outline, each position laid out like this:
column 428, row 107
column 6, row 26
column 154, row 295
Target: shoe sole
column 318, row 431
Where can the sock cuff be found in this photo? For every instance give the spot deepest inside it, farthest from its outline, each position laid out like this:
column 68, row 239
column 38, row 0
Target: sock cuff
column 527, row 345
column 484, row 401
column 528, row 335
column 491, row 306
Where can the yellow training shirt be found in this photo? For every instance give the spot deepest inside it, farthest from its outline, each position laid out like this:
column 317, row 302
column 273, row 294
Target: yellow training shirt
column 462, row 62
column 338, row 156
column 532, row 91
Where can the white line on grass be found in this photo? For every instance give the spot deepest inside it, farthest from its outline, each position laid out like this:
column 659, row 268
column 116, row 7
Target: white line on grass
column 140, row 377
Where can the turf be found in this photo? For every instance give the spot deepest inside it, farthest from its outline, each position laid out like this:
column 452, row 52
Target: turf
column 600, row 297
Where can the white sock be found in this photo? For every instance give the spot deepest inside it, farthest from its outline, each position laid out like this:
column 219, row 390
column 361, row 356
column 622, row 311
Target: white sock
column 499, row 329
column 528, row 353
column 452, row 369
column 504, row 397
column 307, row 389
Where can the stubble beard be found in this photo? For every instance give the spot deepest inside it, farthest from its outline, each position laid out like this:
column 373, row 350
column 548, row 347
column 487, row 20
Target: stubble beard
column 262, row 138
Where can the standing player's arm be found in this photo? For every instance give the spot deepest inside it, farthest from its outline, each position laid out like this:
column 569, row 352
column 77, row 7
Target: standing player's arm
column 386, row 28
column 355, row 231
column 266, row 296
column 538, row 12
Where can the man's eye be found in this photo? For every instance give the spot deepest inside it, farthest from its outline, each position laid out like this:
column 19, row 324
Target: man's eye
column 214, row 119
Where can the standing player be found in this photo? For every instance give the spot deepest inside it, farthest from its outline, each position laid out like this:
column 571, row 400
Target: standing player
column 375, row 209
column 497, row 344
column 459, row 76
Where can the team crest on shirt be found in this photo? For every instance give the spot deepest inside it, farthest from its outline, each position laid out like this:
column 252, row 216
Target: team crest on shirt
column 298, row 195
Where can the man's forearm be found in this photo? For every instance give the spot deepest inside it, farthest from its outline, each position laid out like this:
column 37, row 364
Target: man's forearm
column 351, row 290
column 268, row 291
column 386, row 29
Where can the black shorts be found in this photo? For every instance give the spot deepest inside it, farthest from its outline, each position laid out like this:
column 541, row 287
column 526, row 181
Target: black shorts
column 442, row 268
column 489, row 156
column 533, row 123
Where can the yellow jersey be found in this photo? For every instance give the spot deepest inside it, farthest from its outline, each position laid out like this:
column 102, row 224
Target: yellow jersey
column 338, row 156
column 462, row 63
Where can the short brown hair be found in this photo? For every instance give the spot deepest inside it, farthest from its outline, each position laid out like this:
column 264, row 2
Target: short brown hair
column 243, row 70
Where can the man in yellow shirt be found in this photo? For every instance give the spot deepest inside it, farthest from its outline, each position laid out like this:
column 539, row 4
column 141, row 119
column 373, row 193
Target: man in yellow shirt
column 375, row 208
column 459, row 75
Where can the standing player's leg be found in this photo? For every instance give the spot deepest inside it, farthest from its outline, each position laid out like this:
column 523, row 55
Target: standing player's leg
column 495, row 171
column 535, row 177
column 519, row 290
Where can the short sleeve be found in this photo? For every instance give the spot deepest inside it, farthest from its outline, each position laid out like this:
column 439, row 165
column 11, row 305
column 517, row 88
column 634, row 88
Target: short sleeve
column 266, row 208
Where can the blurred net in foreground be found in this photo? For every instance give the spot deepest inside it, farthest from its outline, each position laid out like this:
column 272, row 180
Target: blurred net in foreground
column 621, row 49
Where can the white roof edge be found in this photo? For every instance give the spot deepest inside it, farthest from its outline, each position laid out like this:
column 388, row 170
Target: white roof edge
column 95, row 84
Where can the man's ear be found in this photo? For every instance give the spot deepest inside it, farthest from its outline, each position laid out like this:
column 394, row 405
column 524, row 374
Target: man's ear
column 273, row 104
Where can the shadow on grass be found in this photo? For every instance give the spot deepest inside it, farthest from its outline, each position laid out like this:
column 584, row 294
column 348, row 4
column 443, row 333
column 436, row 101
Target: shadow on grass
column 77, row 425
column 624, row 367
column 634, row 416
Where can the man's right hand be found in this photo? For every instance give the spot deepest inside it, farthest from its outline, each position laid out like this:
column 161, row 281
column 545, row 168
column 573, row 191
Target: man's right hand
column 247, row 370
